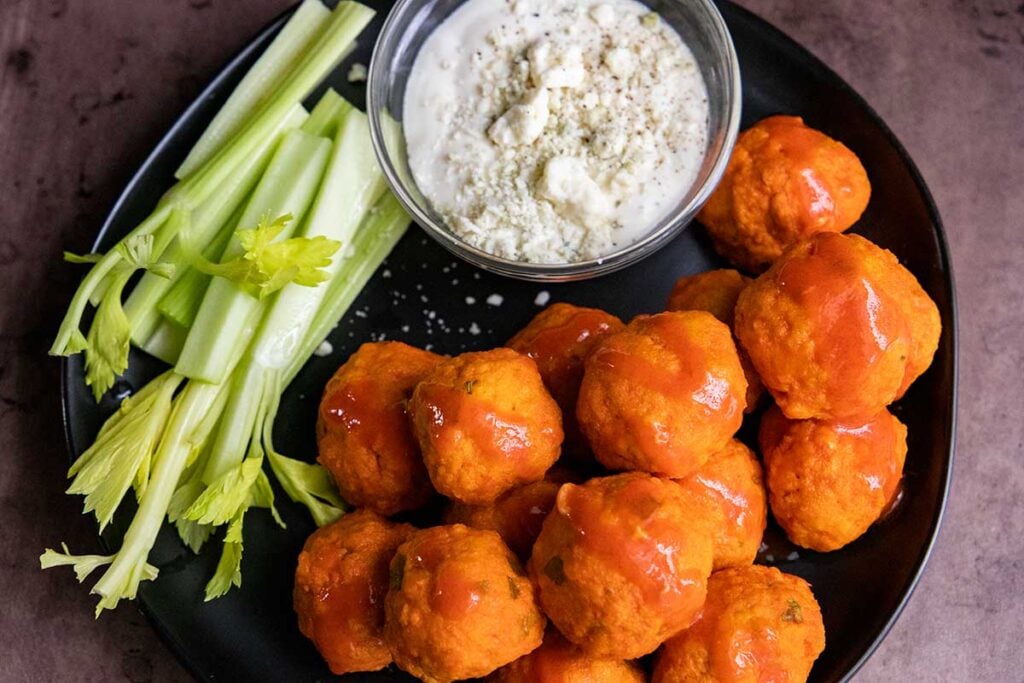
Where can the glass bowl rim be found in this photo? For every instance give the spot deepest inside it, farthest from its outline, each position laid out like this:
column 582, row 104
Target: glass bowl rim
column 667, row 227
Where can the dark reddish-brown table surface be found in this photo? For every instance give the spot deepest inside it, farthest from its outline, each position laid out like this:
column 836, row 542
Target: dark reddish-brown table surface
column 88, row 86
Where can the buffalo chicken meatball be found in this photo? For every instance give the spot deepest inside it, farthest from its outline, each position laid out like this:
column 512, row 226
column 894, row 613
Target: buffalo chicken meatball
column 622, row 563
column 340, row 584
column 729, row 489
column 559, row 661
column 758, row 624
column 486, row 424
column 364, row 437
column 459, row 605
column 716, row 291
column 663, row 394
column 559, row 339
column 829, row 481
column 516, row 515
column 784, row 182
column 837, row 328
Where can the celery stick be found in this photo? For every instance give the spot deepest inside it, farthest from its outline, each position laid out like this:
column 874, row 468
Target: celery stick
column 207, row 222
column 327, row 115
column 342, row 27
column 345, row 23
column 227, row 310
column 262, row 79
column 191, row 409
column 374, row 240
column 352, row 185
column 166, row 342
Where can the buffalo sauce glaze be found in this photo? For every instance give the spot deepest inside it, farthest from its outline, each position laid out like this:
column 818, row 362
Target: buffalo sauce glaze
column 452, row 594
column 634, row 541
column 339, row 625
column 876, row 442
column 371, row 415
column 689, row 381
column 853, row 324
column 522, row 513
column 456, row 415
column 750, row 653
column 801, row 145
column 559, row 350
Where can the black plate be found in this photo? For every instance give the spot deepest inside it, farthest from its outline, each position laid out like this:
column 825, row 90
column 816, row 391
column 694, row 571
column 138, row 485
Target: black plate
column 421, row 296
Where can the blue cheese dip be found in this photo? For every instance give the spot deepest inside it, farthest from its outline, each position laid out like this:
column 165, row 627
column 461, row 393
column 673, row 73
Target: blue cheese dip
column 554, row 131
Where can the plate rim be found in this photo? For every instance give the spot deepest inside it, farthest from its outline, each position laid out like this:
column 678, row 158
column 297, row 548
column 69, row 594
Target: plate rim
column 773, row 33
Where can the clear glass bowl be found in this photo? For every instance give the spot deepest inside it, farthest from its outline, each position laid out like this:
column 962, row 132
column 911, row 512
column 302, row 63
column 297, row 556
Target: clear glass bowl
column 407, row 27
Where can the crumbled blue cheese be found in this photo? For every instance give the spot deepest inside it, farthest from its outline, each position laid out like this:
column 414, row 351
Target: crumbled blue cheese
column 554, row 131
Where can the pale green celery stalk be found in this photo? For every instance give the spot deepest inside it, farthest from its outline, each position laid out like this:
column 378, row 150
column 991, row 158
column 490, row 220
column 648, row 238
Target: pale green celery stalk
column 181, row 302
column 166, row 342
column 352, row 183
column 184, row 428
column 208, row 221
column 374, row 240
column 228, row 312
column 262, row 79
column 181, row 438
column 343, row 26
column 327, row 115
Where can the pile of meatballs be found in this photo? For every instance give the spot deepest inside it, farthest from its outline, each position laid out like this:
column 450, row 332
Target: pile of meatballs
column 596, row 505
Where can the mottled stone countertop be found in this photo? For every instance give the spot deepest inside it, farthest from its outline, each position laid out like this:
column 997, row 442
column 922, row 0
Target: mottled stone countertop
column 87, row 88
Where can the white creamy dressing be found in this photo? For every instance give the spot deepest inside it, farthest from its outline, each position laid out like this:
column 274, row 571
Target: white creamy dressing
column 554, row 131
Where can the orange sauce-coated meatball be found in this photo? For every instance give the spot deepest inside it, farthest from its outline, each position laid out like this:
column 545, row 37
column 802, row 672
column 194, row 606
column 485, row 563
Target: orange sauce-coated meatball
column 559, row 661
column 340, row 584
column 516, row 515
column 459, row 605
column 663, row 394
column 784, row 182
column 758, row 625
column 716, row 291
column 486, row 424
column 364, row 436
column 729, row 488
column 829, row 481
column 559, row 339
column 621, row 564
column 837, row 328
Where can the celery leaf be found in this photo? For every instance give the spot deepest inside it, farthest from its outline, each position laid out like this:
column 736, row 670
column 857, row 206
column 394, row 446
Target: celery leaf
column 268, row 265
column 224, row 498
column 106, row 469
column 229, row 567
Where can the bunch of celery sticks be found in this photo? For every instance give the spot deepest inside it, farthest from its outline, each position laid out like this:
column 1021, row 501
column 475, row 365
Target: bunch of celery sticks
column 278, row 219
